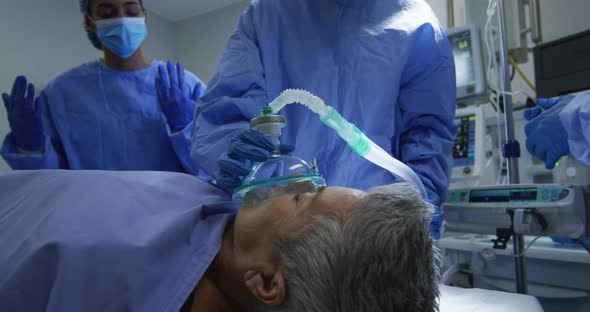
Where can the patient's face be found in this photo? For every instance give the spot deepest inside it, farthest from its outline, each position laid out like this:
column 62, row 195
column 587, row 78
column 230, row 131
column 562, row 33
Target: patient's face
column 290, row 214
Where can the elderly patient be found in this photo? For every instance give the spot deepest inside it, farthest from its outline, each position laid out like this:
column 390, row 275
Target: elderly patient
column 156, row 241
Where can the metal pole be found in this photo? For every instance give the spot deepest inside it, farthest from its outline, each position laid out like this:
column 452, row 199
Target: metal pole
column 535, row 16
column 450, row 13
column 513, row 174
column 511, row 149
column 520, row 264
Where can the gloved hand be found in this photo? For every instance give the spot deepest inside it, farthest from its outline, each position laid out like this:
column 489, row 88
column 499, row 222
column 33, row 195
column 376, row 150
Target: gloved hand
column 546, row 136
column 246, row 148
column 544, row 103
column 24, row 115
column 178, row 105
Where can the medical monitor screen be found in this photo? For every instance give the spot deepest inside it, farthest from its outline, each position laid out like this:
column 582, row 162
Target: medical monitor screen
column 464, row 151
column 464, row 62
column 466, row 47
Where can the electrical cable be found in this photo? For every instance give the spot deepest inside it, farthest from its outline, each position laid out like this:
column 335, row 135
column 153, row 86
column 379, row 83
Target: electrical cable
column 456, row 268
column 521, row 73
column 523, row 253
column 495, row 92
column 493, row 67
column 449, row 273
column 543, row 222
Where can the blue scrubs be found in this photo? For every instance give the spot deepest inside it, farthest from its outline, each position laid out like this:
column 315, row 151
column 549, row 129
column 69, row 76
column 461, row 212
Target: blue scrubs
column 97, row 118
column 575, row 118
column 385, row 65
column 106, row 241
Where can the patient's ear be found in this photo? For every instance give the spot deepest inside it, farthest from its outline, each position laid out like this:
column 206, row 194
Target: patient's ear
column 269, row 289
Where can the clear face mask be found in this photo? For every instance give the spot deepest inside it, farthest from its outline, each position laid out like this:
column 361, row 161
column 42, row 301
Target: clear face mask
column 281, row 174
column 258, row 196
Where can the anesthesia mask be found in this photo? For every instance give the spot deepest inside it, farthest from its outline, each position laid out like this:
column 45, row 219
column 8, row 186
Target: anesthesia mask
column 280, row 174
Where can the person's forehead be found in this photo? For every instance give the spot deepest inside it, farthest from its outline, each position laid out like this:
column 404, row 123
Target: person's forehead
column 340, row 194
column 336, row 200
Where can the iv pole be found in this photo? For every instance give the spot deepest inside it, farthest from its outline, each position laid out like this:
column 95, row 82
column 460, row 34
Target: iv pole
column 511, row 147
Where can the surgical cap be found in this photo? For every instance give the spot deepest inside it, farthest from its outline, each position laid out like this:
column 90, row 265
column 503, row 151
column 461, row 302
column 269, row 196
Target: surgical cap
column 92, row 36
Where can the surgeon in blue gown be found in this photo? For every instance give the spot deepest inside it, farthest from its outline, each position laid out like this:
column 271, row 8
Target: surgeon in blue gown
column 122, row 112
column 385, row 65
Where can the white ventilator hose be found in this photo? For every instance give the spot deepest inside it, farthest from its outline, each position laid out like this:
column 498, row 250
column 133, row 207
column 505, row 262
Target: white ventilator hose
column 357, row 140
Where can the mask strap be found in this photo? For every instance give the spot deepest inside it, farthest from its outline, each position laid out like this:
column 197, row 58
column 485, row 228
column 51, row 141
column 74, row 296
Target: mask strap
column 91, row 19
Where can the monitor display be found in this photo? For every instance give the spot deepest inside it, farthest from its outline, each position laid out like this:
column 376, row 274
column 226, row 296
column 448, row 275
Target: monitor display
column 464, row 150
column 503, row 196
column 461, row 44
column 466, row 48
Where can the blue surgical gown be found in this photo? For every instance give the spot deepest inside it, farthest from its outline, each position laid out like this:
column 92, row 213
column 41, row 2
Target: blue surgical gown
column 385, row 65
column 575, row 117
column 105, row 240
column 97, row 118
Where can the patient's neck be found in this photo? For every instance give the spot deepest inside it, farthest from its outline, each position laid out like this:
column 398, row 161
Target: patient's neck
column 231, row 293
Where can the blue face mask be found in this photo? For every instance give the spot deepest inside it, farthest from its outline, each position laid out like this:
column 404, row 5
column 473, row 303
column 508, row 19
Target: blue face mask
column 122, row 36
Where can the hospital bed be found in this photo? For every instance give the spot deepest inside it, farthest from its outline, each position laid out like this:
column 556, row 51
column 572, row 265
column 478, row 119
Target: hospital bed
column 455, row 299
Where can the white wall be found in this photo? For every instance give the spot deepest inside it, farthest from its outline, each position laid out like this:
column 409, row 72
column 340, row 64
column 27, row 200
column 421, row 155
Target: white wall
column 563, row 18
column 202, row 39
column 440, row 8
column 161, row 42
column 41, row 38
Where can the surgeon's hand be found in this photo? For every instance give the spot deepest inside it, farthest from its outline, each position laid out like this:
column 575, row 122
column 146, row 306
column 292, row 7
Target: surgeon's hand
column 178, row 107
column 546, row 136
column 24, row 115
column 246, row 148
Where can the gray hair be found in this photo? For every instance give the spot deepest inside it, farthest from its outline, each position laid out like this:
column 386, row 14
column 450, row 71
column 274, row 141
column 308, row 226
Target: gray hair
column 382, row 258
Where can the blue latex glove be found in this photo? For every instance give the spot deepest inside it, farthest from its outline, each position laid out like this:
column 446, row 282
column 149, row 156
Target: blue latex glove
column 436, row 224
column 246, row 148
column 24, row 115
column 546, row 136
column 178, row 106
